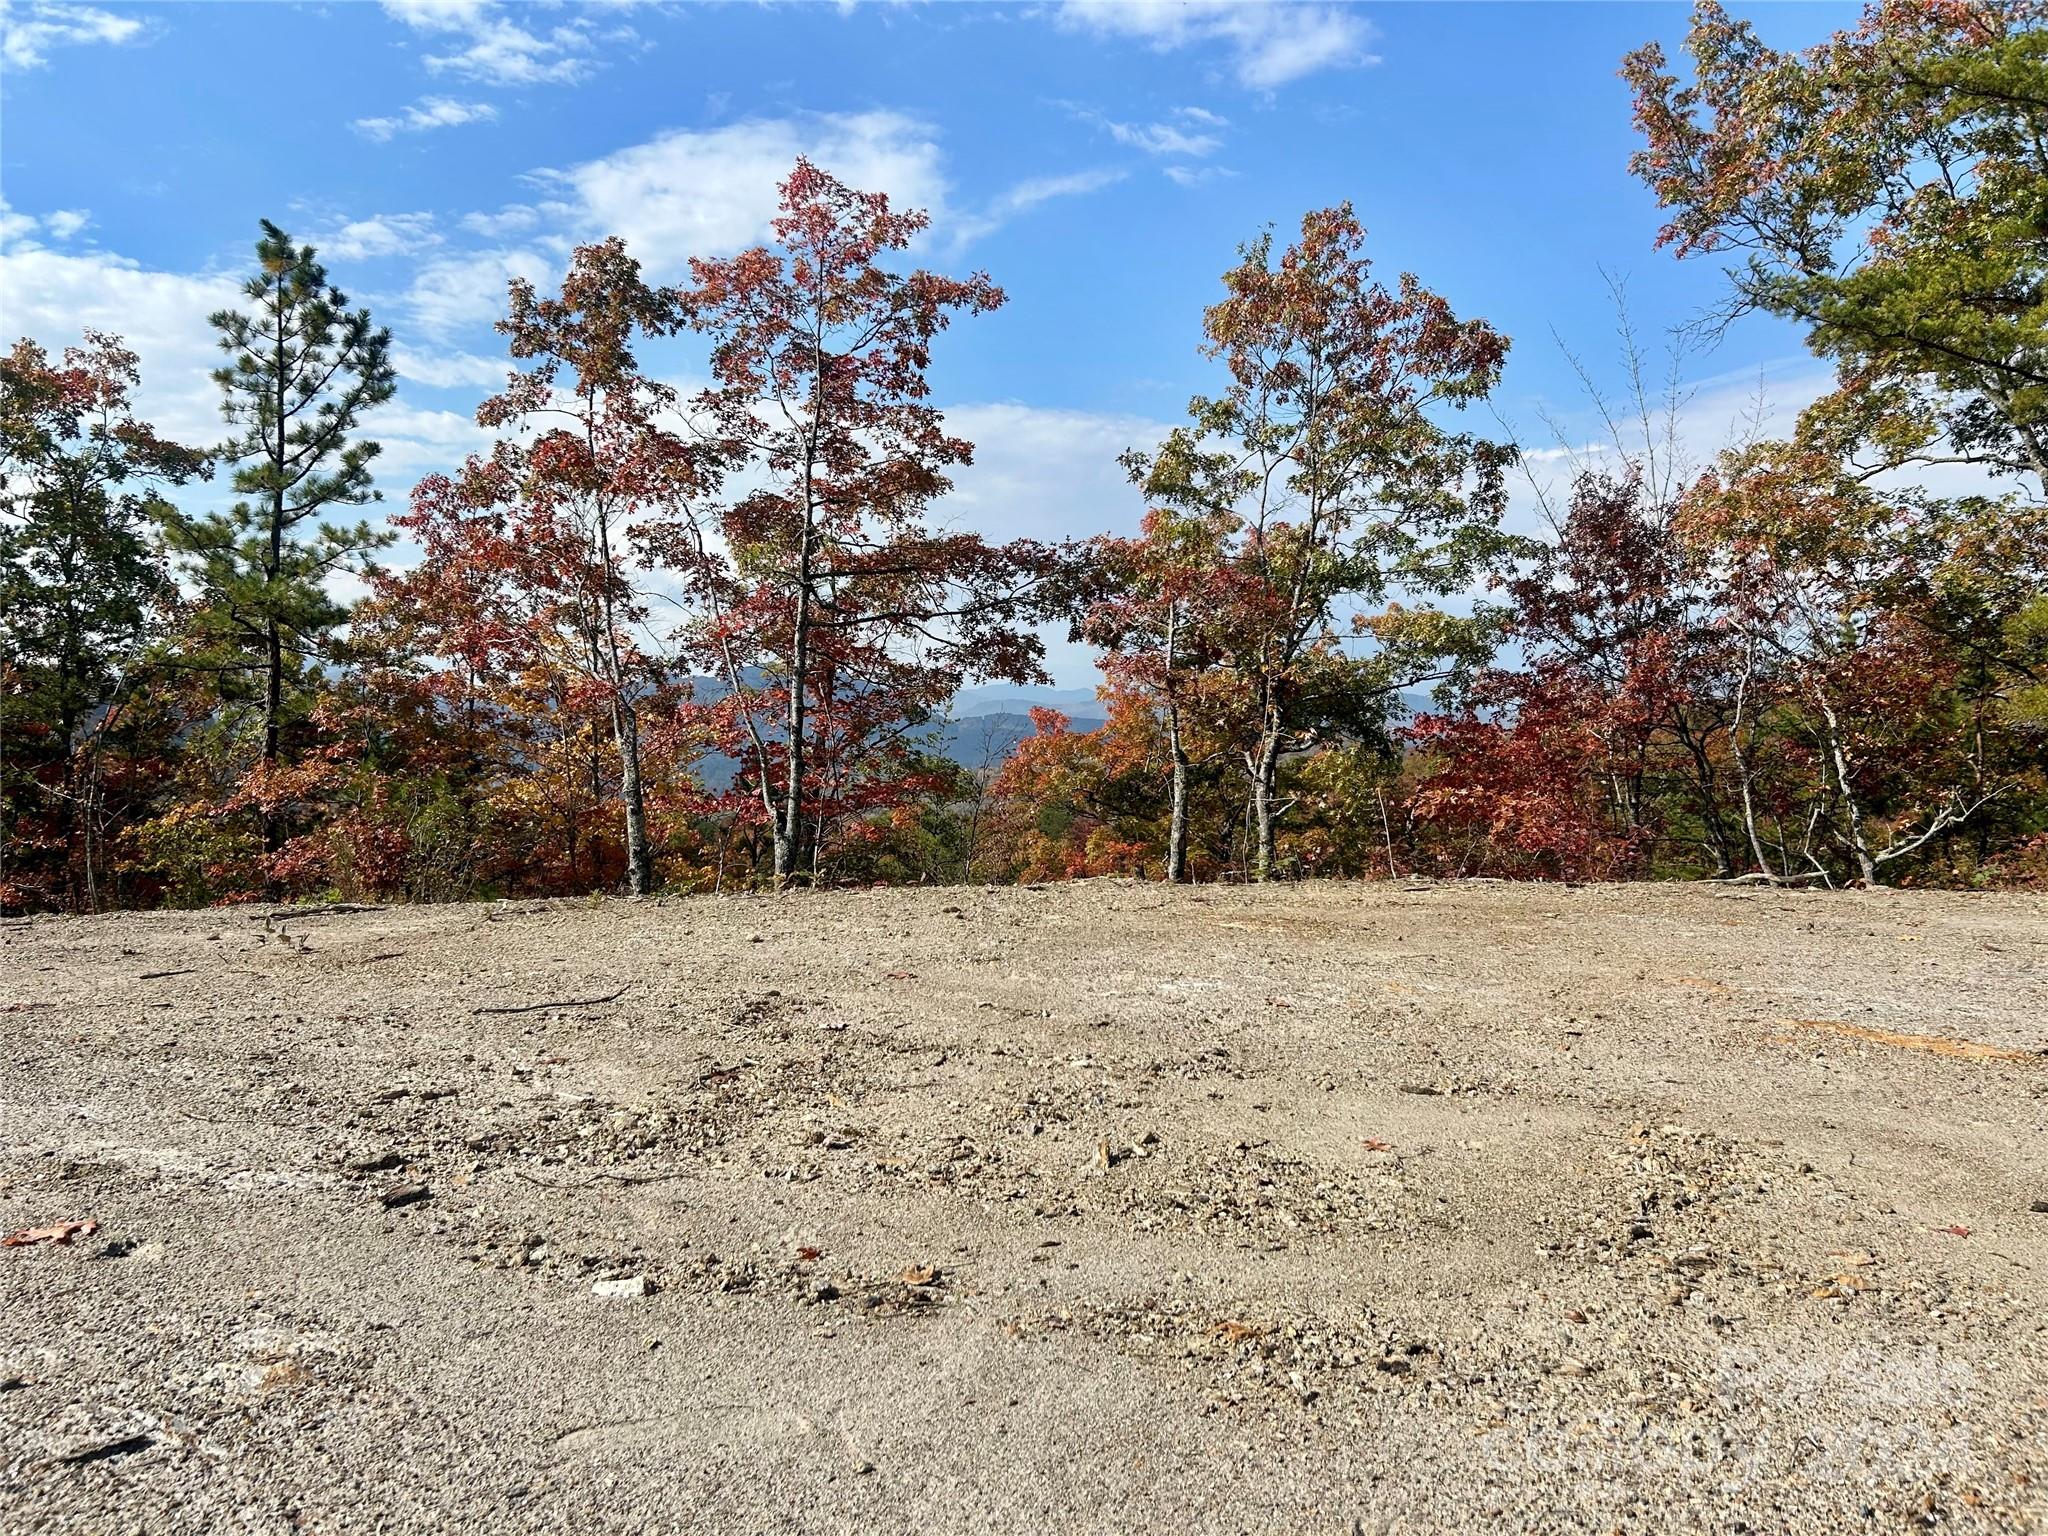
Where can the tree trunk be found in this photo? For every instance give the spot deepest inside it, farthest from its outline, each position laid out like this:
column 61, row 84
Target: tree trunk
column 789, row 816
column 639, row 857
column 1177, row 819
column 273, row 635
column 1866, row 862
column 1265, row 776
column 1742, row 770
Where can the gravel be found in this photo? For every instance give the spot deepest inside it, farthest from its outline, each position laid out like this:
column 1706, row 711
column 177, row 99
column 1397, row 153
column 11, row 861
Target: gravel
column 1102, row 1207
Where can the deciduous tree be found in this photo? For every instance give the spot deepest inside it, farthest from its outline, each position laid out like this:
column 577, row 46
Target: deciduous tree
column 1885, row 189
column 1342, row 487
column 829, row 606
column 84, row 588
column 532, row 561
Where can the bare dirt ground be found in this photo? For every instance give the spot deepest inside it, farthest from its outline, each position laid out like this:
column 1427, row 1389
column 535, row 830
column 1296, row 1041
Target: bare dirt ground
column 1104, row 1208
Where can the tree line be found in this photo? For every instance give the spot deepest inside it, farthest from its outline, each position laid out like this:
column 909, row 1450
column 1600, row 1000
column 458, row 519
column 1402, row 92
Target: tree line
column 655, row 641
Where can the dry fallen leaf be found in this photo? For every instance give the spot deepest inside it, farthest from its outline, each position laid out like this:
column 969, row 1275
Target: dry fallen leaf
column 1374, row 1144
column 61, row 1233
column 920, row 1274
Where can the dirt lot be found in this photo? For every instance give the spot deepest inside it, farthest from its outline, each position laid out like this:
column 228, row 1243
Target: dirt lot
column 1090, row 1208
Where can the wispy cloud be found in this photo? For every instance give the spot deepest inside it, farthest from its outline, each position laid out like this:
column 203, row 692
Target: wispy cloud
column 1027, row 195
column 481, row 40
column 382, row 234
column 1270, row 43
column 1196, row 175
column 512, row 219
column 1190, row 132
column 427, row 113
column 449, row 370
column 458, row 291
column 30, row 29
column 1163, row 139
column 1041, row 189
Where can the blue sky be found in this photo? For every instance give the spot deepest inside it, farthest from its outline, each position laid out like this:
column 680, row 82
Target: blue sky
column 1101, row 160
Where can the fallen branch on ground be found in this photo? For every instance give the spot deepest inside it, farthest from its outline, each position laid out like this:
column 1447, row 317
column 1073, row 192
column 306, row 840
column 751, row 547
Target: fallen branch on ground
column 331, row 909
column 574, row 1002
column 599, row 1176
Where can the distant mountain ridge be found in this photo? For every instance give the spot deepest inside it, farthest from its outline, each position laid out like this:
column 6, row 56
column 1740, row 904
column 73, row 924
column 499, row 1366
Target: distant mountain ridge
column 1010, row 699
column 988, row 721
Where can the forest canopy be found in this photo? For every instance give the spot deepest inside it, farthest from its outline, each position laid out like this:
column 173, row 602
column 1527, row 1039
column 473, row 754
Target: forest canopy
column 660, row 638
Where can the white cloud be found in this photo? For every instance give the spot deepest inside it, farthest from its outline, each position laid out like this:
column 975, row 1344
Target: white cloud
column 1163, row 139
column 710, row 192
column 1195, row 175
column 1270, row 43
column 450, row 370
column 489, row 46
column 512, row 219
column 420, row 442
column 1682, row 437
column 54, row 296
column 427, row 113
column 1043, row 189
column 382, row 234
column 964, row 229
column 1188, row 131
column 19, row 229
column 455, row 291
column 14, row 227
column 1049, row 474
column 29, row 29
column 1042, row 473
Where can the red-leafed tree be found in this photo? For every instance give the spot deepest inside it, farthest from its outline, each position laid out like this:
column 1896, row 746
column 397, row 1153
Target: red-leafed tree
column 1618, row 712
column 531, row 562
column 835, row 618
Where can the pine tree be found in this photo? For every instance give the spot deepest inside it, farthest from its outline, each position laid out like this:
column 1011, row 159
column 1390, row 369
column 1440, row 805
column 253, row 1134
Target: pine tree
column 303, row 370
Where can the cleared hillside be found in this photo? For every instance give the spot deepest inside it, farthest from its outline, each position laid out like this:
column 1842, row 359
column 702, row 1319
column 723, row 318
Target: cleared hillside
column 1091, row 1208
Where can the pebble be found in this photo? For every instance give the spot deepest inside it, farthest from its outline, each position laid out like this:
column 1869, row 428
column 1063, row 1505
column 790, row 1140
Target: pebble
column 403, row 1194
column 630, row 1289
